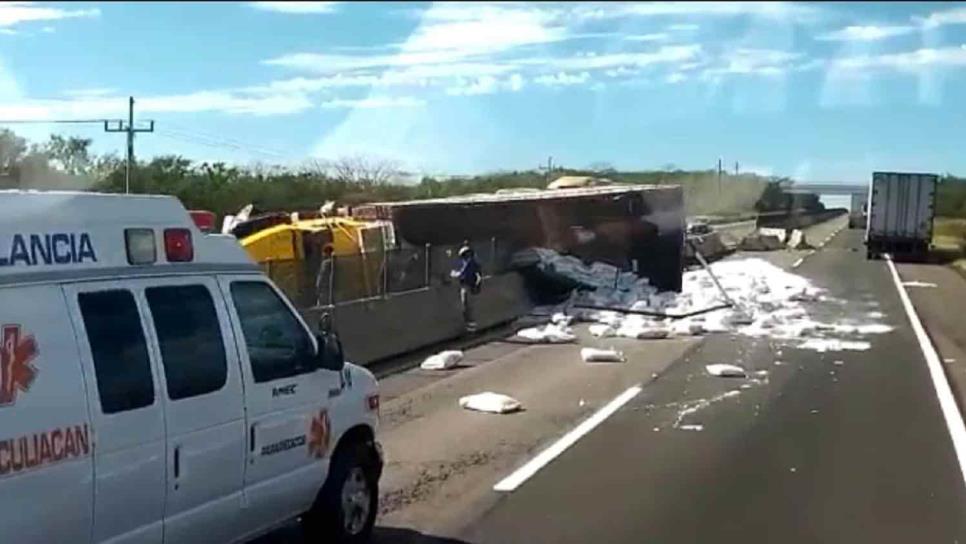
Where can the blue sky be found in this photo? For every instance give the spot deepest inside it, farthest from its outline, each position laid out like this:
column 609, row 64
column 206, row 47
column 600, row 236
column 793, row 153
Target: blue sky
column 821, row 92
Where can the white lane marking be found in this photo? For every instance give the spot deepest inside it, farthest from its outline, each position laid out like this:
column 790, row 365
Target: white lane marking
column 918, row 284
column 797, row 263
column 523, row 473
column 947, row 402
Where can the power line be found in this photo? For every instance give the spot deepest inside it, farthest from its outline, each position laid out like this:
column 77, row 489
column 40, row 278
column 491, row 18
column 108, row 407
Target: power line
column 56, row 121
column 200, row 141
column 226, row 141
column 211, row 142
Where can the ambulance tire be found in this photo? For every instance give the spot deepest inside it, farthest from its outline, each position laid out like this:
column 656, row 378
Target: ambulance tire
column 353, row 474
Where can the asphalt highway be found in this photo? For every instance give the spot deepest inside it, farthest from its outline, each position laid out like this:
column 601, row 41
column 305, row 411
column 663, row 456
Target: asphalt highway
column 846, row 446
column 835, row 446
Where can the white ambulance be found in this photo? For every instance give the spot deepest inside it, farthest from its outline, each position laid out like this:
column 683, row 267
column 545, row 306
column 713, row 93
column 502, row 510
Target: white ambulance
column 155, row 386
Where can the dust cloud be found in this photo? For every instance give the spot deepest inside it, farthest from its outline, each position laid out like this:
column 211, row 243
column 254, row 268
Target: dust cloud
column 704, row 194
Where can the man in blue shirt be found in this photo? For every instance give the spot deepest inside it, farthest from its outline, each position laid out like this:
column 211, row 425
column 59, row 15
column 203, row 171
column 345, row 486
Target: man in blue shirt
column 470, row 278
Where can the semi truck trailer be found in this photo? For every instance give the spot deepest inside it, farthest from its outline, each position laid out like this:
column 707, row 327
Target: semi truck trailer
column 901, row 208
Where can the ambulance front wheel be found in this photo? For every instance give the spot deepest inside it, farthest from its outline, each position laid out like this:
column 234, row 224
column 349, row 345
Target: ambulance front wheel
column 345, row 510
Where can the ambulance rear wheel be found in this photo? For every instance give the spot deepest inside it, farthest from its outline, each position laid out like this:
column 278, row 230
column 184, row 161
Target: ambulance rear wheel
column 345, row 510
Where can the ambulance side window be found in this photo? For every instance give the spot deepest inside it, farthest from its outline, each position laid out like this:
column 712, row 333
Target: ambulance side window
column 278, row 345
column 192, row 348
column 120, row 355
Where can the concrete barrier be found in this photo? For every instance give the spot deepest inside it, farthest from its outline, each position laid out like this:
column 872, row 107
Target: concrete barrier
column 377, row 329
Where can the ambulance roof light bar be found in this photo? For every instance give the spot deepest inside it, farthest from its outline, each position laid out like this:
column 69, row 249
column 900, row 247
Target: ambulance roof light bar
column 141, row 247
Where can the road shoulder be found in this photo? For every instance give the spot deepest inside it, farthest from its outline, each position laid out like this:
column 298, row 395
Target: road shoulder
column 939, row 296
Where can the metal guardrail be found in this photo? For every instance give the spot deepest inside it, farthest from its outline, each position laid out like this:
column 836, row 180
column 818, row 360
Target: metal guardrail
column 347, row 279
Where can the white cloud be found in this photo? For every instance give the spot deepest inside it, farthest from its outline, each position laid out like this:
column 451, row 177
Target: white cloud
column 373, row 102
column 14, row 13
column 654, row 37
column 8, row 31
column 482, row 48
column 295, row 7
column 471, row 48
column 664, row 55
column 331, row 64
column 909, row 61
column 314, row 84
column 747, row 61
column 852, row 80
column 773, row 10
column 562, row 79
column 620, row 71
column 105, row 105
column 470, row 29
column 946, row 17
column 486, row 85
column 865, row 33
column 48, row 30
column 761, row 170
column 227, row 102
column 420, row 75
column 675, row 77
column 437, row 71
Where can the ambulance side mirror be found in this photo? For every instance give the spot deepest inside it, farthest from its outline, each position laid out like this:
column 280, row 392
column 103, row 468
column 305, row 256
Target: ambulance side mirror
column 329, row 355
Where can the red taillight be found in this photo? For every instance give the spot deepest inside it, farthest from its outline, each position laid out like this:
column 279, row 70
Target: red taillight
column 177, row 245
column 204, row 220
column 372, row 403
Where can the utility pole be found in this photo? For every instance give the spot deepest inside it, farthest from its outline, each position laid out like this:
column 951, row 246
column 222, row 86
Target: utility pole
column 719, row 176
column 130, row 130
column 549, row 168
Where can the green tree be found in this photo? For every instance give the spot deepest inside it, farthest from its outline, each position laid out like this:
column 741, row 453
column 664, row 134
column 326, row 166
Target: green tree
column 69, row 154
column 12, row 150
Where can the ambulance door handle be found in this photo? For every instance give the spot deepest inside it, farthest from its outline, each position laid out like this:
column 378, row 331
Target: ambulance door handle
column 251, row 439
column 177, row 465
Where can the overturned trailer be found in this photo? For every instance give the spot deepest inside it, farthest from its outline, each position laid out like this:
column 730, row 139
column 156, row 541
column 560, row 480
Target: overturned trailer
column 638, row 228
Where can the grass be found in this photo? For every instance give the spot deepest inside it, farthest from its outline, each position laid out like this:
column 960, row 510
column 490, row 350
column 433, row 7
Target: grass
column 949, row 237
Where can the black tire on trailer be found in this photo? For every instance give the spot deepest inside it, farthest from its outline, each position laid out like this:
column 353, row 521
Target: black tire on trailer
column 345, row 510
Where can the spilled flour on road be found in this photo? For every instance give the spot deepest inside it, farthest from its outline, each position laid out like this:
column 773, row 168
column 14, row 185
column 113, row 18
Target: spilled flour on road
column 691, row 427
column 823, row 345
column 767, row 302
column 725, row 370
column 752, row 298
column 693, row 407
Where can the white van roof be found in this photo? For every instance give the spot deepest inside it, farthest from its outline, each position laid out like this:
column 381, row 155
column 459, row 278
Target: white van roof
column 77, row 233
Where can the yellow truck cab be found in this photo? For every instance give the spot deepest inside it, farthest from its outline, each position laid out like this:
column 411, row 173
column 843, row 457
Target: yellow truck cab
column 156, row 387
